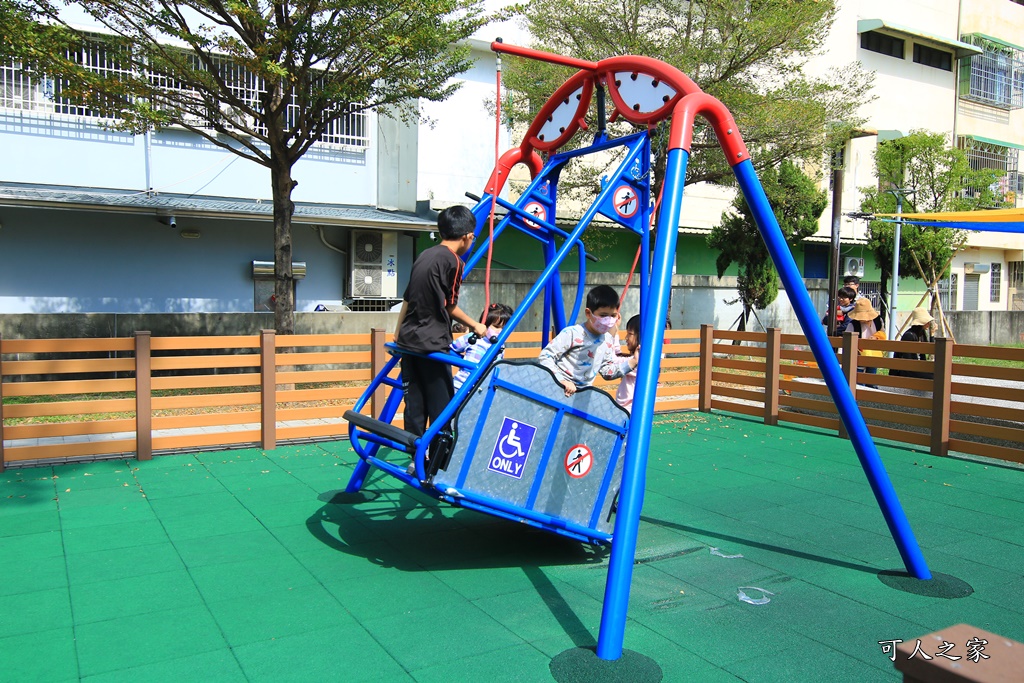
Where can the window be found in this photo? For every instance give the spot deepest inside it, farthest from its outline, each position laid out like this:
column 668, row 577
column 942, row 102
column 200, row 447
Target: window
column 983, row 154
column 995, row 282
column 1015, row 286
column 995, row 77
column 929, row 56
column 880, row 42
column 24, row 90
column 948, row 292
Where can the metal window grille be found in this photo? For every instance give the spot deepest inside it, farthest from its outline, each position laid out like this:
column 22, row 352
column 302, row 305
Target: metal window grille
column 995, row 77
column 987, row 155
column 22, row 89
column 1016, row 285
column 948, row 292
column 995, row 282
column 26, row 90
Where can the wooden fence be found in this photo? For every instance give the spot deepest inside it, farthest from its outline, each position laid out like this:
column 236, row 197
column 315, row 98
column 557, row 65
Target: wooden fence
column 65, row 399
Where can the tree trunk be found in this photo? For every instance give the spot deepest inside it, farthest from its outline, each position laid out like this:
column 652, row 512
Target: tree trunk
column 284, row 282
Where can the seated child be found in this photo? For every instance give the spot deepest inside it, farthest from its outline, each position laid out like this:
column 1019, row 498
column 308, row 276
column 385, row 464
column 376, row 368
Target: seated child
column 579, row 352
column 627, row 385
column 497, row 316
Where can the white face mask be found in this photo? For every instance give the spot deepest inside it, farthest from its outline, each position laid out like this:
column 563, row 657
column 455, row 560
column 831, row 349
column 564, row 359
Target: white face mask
column 604, row 324
column 493, row 332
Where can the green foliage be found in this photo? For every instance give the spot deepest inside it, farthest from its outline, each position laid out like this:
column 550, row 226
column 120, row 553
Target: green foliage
column 797, row 204
column 750, row 54
column 932, row 177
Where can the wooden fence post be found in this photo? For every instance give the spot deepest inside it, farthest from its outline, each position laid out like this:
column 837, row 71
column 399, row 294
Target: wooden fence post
column 850, row 370
column 941, row 391
column 378, row 359
column 1, row 404
column 772, row 359
column 143, row 395
column 268, row 390
column 707, row 338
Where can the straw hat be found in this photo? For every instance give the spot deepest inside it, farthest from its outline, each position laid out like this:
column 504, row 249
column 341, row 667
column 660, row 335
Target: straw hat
column 863, row 311
column 920, row 316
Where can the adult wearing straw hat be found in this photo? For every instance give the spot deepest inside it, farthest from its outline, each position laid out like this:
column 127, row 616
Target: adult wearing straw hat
column 921, row 326
column 867, row 324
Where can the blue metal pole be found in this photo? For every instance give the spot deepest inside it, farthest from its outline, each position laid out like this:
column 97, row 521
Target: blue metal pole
column 631, row 494
column 837, row 384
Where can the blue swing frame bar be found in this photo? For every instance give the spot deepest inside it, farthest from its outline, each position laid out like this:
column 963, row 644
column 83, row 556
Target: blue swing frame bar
column 655, row 287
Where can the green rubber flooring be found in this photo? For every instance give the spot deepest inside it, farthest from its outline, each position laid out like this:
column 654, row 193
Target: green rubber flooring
column 244, row 566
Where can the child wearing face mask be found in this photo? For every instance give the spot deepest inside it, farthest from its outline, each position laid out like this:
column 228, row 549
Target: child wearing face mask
column 579, row 352
column 472, row 348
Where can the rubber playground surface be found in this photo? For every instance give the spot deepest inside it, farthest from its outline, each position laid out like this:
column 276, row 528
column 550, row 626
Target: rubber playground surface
column 248, row 565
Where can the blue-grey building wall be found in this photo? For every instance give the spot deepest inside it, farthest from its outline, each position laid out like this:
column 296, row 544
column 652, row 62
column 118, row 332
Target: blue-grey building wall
column 90, row 261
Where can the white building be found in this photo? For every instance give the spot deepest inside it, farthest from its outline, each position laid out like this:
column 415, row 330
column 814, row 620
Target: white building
column 953, row 67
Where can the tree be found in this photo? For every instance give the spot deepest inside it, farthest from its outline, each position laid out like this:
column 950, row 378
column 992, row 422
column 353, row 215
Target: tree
column 797, row 204
column 932, row 177
column 750, row 54
column 314, row 62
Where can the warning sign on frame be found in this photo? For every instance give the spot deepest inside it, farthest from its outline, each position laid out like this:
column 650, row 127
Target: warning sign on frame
column 578, row 461
column 512, row 448
column 625, row 201
column 535, row 209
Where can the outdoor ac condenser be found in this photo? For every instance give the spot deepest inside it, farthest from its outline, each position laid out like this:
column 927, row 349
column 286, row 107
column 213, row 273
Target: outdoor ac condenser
column 374, row 256
column 854, row 266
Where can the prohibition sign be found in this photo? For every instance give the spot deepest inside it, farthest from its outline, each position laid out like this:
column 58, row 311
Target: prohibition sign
column 537, row 209
column 625, row 201
column 578, row 461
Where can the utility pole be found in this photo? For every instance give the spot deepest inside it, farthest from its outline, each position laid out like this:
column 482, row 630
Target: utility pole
column 894, row 289
column 837, row 217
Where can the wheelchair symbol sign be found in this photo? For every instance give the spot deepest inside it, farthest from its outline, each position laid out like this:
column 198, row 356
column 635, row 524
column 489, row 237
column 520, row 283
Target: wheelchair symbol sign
column 511, row 448
column 578, row 461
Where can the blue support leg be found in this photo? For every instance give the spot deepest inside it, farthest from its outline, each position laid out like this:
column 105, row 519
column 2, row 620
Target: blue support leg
column 362, row 468
column 631, row 494
column 851, row 416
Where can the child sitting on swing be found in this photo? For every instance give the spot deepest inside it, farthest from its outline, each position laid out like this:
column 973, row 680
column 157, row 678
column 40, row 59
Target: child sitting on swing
column 627, row 385
column 579, row 352
column 473, row 348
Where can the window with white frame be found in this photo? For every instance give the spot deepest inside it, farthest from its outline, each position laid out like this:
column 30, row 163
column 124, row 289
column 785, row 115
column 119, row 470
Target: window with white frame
column 25, row 90
column 996, row 76
column 983, row 154
column 995, row 282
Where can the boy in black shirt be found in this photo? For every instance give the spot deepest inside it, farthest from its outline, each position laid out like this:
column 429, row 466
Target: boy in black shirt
column 429, row 305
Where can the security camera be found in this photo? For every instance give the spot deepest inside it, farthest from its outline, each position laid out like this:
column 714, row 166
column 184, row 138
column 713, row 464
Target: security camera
column 171, row 222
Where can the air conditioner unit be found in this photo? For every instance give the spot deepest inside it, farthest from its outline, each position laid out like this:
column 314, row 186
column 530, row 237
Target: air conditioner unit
column 976, row 268
column 854, row 266
column 374, row 260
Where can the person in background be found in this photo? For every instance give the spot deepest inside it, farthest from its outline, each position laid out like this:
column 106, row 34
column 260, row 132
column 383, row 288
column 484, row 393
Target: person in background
column 853, row 282
column 844, row 304
column 627, row 385
column 867, row 324
column 921, row 328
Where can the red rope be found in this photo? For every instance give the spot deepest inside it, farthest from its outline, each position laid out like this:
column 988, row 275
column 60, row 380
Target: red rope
column 497, row 184
column 629, row 279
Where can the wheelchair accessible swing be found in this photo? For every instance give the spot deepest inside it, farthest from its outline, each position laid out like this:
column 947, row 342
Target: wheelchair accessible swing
column 575, row 465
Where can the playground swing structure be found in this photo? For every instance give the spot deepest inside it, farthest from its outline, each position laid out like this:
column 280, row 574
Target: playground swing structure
column 496, row 400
